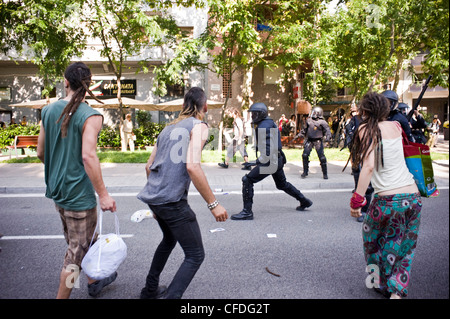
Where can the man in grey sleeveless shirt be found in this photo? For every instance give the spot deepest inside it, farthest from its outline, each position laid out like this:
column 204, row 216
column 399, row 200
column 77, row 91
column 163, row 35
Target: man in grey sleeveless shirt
column 173, row 164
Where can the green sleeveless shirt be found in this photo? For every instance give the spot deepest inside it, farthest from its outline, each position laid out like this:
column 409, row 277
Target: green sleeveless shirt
column 67, row 182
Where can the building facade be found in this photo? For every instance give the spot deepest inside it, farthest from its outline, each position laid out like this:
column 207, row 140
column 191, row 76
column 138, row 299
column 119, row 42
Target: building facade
column 19, row 82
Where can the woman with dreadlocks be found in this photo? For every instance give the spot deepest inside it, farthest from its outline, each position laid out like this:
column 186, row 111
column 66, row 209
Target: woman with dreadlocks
column 391, row 224
column 67, row 146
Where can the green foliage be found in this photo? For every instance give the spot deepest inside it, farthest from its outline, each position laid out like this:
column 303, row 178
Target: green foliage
column 146, row 134
column 228, row 121
column 8, row 134
column 143, row 117
column 109, row 137
column 46, row 32
column 123, row 157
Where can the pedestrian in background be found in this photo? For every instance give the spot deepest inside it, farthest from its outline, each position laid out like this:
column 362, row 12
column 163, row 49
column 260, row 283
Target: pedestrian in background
column 293, row 125
column 282, row 121
column 391, row 225
column 127, row 134
column 433, row 127
column 67, row 145
column 173, row 164
column 238, row 141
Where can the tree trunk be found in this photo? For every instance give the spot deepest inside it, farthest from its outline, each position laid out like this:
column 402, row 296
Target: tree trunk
column 247, row 92
column 224, row 106
column 397, row 72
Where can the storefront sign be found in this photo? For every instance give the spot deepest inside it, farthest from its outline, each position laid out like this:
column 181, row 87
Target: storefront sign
column 108, row 88
column 5, row 94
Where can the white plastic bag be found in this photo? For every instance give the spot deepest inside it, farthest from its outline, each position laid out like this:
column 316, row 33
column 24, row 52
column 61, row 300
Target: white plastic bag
column 105, row 256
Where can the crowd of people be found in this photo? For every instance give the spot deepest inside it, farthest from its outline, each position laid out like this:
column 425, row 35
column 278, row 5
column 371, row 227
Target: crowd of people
column 391, row 210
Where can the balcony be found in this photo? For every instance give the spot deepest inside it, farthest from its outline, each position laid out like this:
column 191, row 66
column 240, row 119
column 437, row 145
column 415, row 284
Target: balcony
column 431, row 92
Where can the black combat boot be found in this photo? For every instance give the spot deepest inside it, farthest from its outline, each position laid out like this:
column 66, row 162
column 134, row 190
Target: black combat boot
column 324, row 170
column 247, row 198
column 304, row 203
column 305, row 168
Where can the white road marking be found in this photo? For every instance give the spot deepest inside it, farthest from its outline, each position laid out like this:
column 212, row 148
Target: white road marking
column 237, row 192
column 47, row 237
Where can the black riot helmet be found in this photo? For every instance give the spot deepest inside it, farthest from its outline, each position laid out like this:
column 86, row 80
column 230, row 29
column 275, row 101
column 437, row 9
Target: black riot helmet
column 392, row 97
column 259, row 112
column 317, row 113
column 402, row 107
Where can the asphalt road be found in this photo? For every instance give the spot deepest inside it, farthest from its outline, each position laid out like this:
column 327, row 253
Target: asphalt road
column 316, row 253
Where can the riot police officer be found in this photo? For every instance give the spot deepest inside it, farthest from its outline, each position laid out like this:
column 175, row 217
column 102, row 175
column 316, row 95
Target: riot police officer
column 396, row 115
column 270, row 162
column 316, row 128
column 403, row 108
column 418, row 125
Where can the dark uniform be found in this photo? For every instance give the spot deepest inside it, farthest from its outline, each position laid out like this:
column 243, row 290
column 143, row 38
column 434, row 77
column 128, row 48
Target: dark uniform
column 396, row 114
column 316, row 128
column 270, row 162
column 418, row 125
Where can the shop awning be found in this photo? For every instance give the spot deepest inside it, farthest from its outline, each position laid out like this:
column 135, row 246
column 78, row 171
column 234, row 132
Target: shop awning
column 37, row 104
column 171, row 106
column 176, row 105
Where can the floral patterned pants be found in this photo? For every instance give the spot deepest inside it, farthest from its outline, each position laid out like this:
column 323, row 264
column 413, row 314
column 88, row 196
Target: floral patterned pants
column 390, row 231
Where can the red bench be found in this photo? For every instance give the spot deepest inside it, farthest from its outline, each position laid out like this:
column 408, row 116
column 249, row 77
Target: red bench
column 23, row 141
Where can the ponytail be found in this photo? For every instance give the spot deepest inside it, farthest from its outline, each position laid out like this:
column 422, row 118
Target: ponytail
column 79, row 77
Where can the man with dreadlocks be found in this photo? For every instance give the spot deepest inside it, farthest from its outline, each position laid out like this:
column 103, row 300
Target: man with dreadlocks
column 391, row 224
column 67, row 146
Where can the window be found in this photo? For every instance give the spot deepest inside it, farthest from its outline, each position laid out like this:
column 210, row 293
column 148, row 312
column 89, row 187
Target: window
column 272, row 75
column 5, row 94
column 175, row 91
column 226, row 85
column 340, row 91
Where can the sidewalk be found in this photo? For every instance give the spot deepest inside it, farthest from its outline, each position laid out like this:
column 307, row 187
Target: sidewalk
column 131, row 178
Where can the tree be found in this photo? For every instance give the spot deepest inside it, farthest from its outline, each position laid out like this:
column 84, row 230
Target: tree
column 125, row 28
column 434, row 38
column 299, row 42
column 43, row 32
column 232, row 43
column 360, row 51
column 232, row 39
column 382, row 36
column 418, row 26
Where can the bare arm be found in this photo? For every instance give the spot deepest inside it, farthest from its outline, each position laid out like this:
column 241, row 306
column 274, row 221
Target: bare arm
column 91, row 128
column 364, row 178
column 199, row 135
column 41, row 144
column 150, row 161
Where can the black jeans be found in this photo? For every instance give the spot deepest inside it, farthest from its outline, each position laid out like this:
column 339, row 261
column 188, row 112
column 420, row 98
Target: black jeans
column 178, row 224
